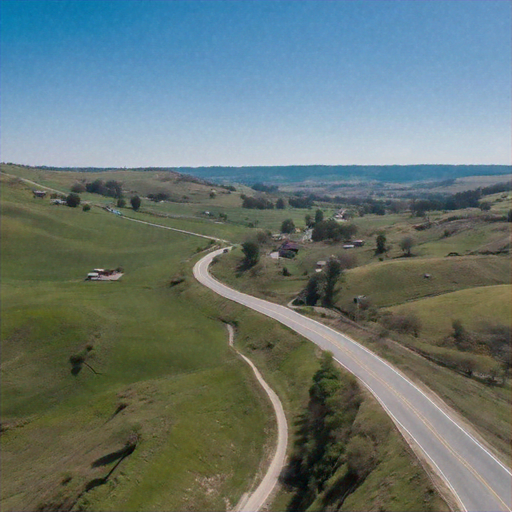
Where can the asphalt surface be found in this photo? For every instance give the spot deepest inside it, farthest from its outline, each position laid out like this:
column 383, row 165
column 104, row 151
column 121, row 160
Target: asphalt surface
column 478, row 480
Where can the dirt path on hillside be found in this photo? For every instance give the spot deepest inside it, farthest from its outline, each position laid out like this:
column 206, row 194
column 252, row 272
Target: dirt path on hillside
column 252, row 502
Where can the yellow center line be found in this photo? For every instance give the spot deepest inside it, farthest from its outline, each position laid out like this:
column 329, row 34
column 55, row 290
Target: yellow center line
column 275, row 313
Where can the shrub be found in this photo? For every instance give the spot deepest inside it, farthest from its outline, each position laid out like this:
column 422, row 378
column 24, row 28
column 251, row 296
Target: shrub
column 86, row 207
column 287, row 226
column 360, row 456
column 135, row 201
column 121, row 203
column 405, row 323
column 73, row 200
column 251, row 251
column 381, row 244
column 78, row 188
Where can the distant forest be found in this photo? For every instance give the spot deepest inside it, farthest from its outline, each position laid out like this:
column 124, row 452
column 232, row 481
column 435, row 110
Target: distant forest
column 325, row 173
column 322, row 173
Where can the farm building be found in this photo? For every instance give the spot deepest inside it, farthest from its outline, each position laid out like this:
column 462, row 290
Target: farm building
column 101, row 274
column 39, row 193
column 288, row 249
column 320, row 265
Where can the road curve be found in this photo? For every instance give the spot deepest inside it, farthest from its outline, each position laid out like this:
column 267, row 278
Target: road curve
column 256, row 500
column 478, row 480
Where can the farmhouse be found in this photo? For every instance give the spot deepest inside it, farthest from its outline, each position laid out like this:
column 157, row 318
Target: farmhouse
column 288, row 249
column 101, row 274
column 341, row 215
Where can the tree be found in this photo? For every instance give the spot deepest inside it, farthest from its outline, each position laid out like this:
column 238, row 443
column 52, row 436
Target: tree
column 121, row 203
column 135, row 201
column 459, row 334
column 86, row 207
column 73, row 200
column 280, row 204
column 78, row 188
column 406, row 244
column 313, row 290
column 381, row 244
column 319, row 216
column 332, row 273
column 287, row 226
column 308, row 220
column 251, row 251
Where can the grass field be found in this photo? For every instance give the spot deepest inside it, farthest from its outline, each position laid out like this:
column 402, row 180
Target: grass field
column 162, row 363
column 473, row 307
column 158, row 369
column 397, row 281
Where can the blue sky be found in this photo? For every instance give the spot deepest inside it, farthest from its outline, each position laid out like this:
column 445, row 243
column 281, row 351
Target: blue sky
column 255, row 82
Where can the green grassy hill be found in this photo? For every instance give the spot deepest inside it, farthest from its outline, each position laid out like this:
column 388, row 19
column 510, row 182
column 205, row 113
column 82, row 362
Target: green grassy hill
column 124, row 395
column 397, row 281
column 153, row 367
column 473, row 307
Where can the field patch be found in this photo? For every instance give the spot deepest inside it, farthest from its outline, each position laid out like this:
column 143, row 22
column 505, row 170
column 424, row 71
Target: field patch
column 394, row 282
column 473, row 307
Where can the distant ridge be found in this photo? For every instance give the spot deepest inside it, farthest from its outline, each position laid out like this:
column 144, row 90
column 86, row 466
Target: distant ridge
column 318, row 173
column 322, row 173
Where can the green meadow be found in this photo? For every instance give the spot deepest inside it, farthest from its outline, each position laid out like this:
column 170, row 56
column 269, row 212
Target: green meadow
column 473, row 307
column 156, row 368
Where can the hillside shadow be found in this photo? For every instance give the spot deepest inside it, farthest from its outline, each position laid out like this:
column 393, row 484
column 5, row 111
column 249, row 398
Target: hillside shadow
column 113, row 456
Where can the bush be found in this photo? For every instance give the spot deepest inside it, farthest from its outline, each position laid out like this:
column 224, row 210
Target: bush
column 287, row 226
column 121, row 203
column 73, row 200
column 86, row 207
column 405, row 323
column 78, row 188
column 360, row 456
column 135, row 201
column 251, row 251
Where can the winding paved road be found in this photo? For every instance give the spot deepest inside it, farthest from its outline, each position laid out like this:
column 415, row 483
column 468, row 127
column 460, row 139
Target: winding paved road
column 479, row 481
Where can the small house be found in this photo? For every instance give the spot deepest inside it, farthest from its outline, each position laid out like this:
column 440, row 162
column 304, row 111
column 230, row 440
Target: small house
column 348, row 246
column 288, row 250
column 39, row 193
column 358, row 243
column 101, row 274
column 320, row 265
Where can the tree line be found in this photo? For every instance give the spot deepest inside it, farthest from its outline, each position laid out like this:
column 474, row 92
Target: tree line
column 331, row 457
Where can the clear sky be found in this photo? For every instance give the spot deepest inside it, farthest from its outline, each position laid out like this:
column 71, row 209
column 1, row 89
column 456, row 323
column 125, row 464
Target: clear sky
column 255, row 82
